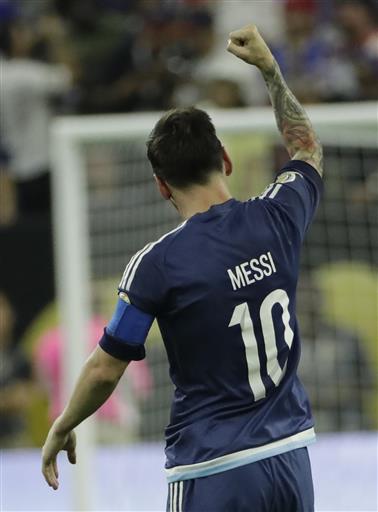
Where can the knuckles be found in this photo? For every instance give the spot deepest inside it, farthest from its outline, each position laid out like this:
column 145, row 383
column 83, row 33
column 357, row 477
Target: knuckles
column 247, row 31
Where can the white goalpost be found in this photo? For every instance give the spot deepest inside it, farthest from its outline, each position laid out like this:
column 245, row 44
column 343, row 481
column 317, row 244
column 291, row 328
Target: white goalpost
column 104, row 207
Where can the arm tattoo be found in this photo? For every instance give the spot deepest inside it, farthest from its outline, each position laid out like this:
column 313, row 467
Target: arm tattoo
column 299, row 136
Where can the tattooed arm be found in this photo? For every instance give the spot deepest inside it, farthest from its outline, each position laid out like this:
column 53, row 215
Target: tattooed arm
column 298, row 134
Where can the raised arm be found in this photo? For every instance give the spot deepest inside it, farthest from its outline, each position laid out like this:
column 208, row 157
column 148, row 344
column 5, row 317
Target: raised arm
column 297, row 131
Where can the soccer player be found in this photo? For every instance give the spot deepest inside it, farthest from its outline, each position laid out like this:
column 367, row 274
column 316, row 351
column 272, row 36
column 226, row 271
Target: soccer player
column 222, row 287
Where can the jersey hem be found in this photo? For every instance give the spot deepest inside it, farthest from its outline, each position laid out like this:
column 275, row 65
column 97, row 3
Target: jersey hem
column 241, row 458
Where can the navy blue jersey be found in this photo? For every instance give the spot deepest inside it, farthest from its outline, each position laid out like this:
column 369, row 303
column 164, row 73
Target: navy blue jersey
column 222, row 287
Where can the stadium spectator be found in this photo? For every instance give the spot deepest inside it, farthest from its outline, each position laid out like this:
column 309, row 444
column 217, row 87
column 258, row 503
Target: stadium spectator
column 33, row 77
column 94, row 30
column 216, row 80
column 208, row 81
column 359, row 22
column 308, row 55
column 133, row 55
column 27, row 89
column 15, row 381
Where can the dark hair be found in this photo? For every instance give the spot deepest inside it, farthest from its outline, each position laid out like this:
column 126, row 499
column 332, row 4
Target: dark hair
column 183, row 147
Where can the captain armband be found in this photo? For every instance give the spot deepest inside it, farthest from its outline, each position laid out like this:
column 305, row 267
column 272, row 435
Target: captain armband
column 126, row 333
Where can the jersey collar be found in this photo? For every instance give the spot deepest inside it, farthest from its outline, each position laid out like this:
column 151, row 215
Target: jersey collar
column 214, row 211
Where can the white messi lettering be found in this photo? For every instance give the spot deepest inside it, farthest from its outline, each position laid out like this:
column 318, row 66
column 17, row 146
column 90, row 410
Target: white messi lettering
column 238, row 279
column 248, row 272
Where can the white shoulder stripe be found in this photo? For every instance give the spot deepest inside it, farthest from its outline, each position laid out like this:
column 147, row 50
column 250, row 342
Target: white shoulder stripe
column 271, row 190
column 134, row 263
column 267, row 190
column 130, row 264
column 275, row 190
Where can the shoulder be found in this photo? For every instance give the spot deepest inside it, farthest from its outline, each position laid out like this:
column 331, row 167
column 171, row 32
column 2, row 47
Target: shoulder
column 150, row 257
column 298, row 186
column 156, row 250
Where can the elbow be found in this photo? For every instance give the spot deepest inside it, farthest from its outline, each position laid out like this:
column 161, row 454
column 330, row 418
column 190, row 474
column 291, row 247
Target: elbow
column 311, row 151
column 103, row 373
column 104, row 376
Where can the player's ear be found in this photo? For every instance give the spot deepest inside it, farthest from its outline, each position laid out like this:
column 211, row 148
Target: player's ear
column 163, row 188
column 227, row 162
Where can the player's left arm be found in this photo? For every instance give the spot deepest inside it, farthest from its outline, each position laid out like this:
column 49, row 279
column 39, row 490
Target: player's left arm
column 98, row 379
column 299, row 136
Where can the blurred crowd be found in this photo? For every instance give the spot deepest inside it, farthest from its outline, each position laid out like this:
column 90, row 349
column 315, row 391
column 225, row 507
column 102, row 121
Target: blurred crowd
column 114, row 56
column 95, row 56
column 100, row 56
column 128, row 55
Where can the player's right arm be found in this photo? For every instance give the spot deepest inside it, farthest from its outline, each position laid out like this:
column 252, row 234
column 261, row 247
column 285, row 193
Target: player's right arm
column 141, row 292
column 297, row 131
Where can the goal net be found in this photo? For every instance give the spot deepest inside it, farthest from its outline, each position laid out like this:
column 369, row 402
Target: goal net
column 107, row 208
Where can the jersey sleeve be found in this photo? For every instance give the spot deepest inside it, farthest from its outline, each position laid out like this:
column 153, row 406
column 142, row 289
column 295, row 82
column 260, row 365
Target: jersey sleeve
column 143, row 280
column 296, row 191
column 141, row 293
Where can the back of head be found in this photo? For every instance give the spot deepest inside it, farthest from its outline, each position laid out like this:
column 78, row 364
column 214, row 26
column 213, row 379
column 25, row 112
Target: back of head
column 183, row 148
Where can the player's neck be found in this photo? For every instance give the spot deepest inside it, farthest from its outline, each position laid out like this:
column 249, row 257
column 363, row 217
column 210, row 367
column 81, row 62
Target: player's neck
column 200, row 198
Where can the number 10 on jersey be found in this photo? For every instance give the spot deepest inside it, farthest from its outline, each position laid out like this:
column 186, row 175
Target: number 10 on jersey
column 242, row 316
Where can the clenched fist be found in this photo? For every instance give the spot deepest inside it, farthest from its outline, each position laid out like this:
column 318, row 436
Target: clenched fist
column 248, row 45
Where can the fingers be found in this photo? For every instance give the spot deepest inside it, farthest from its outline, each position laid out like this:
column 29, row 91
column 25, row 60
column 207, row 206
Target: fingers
column 237, row 49
column 248, row 45
column 54, row 443
column 71, row 455
column 71, row 449
column 239, row 36
column 239, row 41
column 50, row 475
column 243, row 35
column 55, row 466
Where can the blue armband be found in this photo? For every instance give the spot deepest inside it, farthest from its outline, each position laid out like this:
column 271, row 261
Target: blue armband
column 129, row 323
column 126, row 333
